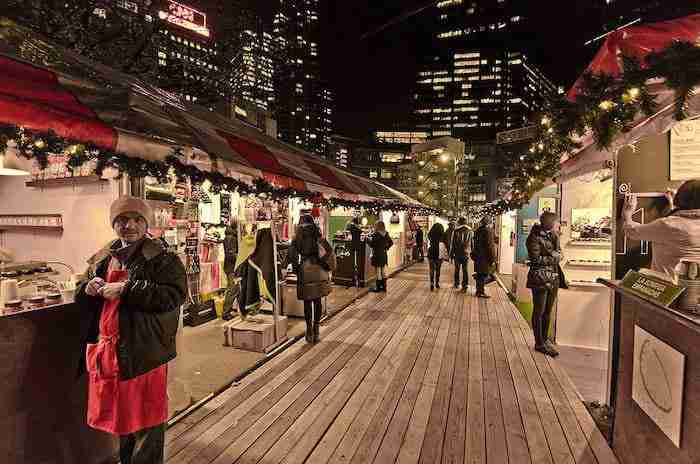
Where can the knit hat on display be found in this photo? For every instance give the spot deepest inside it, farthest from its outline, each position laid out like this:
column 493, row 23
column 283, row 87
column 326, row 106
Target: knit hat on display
column 127, row 204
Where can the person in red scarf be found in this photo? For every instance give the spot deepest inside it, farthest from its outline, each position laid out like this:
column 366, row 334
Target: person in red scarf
column 133, row 293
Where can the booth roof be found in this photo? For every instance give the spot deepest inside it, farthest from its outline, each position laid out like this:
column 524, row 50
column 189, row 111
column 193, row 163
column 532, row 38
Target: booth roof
column 86, row 101
column 638, row 42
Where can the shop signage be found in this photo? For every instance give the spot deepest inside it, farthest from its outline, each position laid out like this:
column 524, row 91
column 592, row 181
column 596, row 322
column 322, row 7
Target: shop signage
column 685, row 151
column 516, row 135
column 185, row 17
column 652, row 288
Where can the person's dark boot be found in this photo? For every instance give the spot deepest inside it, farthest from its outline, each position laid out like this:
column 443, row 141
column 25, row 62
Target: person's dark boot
column 377, row 287
column 384, row 285
column 551, row 350
column 317, row 333
column 309, row 335
column 432, row 286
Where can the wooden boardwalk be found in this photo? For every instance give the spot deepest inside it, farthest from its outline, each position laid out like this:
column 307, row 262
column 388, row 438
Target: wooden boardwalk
column 408, row 377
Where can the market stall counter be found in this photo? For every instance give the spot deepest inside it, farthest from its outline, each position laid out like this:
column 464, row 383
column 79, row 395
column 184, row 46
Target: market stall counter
column 43, row 403
column 346, row 264
column 655, row 390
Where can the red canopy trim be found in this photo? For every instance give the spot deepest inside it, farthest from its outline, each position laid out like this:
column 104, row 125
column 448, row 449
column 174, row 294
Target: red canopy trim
column 329, row 176
column 638, row 42
column 257, row 155
column 34, row 98
column 284, row 181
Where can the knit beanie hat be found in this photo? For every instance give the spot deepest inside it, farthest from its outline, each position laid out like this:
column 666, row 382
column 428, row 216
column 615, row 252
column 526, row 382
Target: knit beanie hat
column 127, row 204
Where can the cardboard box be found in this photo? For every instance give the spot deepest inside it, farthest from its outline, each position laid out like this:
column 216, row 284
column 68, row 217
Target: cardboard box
column 255, row 334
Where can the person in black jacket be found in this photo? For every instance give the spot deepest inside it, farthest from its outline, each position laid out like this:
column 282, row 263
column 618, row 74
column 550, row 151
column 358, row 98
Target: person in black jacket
column 543, row 278
column 132, row 295
column 484, row 255
column 436, row 236
column 380, row 244
column 419, row 243
column 459, row 253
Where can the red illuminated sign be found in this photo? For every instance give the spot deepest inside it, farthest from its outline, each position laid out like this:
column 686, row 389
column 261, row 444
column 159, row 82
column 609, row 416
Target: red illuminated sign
column 186, row 17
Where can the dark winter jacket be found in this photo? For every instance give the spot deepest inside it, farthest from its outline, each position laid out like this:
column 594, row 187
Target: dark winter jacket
column 380, row 244
column 448, row 236
column 483, row 250
column 313, row 278
column 461, row 243
column 435, row 237
column 356, row 234
column 149, row 311
column 545, row 254
column 419, row 238
column 230, row 249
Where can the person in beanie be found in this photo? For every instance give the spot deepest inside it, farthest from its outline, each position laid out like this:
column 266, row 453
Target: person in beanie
column 132, row 295
column 380, row 244
column 459, row 253
column 484, row 255
column 312, row 270
column 544, row 252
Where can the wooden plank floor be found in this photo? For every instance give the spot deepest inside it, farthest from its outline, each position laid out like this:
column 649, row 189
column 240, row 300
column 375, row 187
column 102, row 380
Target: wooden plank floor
column 407, row 377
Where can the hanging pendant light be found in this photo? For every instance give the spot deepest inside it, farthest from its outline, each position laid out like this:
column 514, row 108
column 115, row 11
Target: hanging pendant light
column 11, row 165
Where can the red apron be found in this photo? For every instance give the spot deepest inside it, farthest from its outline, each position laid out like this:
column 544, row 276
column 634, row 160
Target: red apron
column 118, row 406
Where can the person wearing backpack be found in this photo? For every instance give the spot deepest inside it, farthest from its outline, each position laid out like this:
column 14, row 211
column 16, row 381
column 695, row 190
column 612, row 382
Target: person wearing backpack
column 312, row 259
column 484, row 255
column 459, row 253
column 380, row 244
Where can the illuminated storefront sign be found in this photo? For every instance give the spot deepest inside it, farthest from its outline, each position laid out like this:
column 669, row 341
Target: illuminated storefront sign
column 186, row 17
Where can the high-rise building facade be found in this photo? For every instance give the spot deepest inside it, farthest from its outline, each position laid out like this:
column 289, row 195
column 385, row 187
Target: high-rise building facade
column 304, row 109
column 477, row 83
column 253, row 69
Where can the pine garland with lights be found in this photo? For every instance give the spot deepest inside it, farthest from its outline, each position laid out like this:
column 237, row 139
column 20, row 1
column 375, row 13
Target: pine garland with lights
column 37, row 146
column 606, row 105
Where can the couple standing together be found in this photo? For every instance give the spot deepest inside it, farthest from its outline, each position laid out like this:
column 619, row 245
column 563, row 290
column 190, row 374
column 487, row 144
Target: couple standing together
column 458, row 244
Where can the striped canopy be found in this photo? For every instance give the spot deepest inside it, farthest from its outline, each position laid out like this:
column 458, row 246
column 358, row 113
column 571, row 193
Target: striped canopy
column 44, row 87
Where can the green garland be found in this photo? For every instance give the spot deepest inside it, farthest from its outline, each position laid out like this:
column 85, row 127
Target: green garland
column 605, row 105
column 36, row 145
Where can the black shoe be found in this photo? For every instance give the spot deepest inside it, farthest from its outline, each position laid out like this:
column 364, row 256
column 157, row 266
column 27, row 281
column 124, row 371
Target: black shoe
column 384, row 285
column 551, row 351
column 309, row 335
column 437, row 285
column 482, row 295
column 541, row 349
column 431, row 287
column 317, row 333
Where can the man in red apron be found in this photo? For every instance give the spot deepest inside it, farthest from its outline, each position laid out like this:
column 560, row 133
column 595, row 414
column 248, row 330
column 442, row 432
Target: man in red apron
column 134, row 291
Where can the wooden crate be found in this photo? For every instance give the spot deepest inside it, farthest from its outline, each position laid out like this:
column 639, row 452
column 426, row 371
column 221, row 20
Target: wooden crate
column 255, row 334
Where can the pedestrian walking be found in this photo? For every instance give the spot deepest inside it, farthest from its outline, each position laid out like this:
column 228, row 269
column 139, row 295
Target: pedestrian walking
column 459, row 253
column 312, row 259
column 419, row 243
column 133, row 294
column 380, row 244
column 437, row 252
column 449, row 233
column 544, row 278
column 484, row 255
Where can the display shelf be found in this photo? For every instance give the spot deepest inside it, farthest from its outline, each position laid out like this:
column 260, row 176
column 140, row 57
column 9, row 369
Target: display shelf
column 589, row 264
column 63, row 181
column 590, row 244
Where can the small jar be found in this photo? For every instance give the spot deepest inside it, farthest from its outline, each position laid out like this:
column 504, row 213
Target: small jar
column 13, row 305
column 36, row 302
column 54, row 299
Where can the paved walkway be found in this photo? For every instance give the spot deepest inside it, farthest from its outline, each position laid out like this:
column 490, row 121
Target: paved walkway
column 407, row 377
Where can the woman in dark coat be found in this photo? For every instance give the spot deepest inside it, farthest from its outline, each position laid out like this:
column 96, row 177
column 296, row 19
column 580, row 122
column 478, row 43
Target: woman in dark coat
column 484, row 255
column 544, row 278
column 380, row 244
column 436, row 236
column 313, row 279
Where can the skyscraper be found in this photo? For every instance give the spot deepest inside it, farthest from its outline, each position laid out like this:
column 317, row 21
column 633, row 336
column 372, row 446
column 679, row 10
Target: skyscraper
column 253, row 69
column 304, row 102
column 477, row 82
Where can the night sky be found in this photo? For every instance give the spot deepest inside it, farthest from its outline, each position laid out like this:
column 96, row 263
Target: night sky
column 373, row 79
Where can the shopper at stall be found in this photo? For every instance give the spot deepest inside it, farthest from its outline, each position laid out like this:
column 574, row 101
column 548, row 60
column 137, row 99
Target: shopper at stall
column 484, row 255
column 674, row 237
column 312, row 258
column 436, row 240
column 380, row 244
column 543, row 278
column 449, row 234
column 419, row 243
column 459, row 253
column 355, row 245
column 133, row 294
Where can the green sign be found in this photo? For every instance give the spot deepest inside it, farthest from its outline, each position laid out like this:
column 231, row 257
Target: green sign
column 652, row 288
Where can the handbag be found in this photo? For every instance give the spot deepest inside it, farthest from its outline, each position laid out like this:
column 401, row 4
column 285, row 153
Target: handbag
column 443, row 254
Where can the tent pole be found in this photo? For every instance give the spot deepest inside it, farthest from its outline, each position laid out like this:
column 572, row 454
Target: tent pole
column 276, row 305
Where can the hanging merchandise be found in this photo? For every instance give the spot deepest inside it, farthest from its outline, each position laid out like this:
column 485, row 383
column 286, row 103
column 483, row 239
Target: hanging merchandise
column 255, row 264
